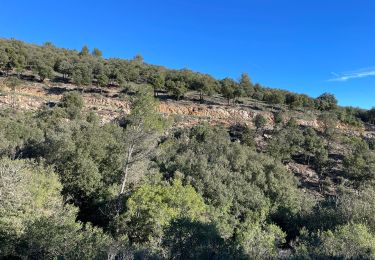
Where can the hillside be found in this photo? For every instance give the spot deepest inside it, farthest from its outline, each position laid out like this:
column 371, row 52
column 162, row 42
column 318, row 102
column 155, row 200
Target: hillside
column 113, row 102
column 120, row 159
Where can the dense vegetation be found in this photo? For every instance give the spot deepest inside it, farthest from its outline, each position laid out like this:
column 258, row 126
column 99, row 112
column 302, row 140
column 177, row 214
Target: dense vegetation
column 74, row 188
column 84, row 69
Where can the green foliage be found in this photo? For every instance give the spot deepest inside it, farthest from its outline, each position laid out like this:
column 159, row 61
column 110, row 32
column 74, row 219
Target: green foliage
column 142, row 128
column 13, row 82
column 228, row 87
column 350, row 241
column 157, row 81
column 274, row 98
column 35, row 223
column 72, row 103
column 261, row 242
column 84, row 51
column 259, row 121
column 205, row 85
column 176, row 88
column 286, row 143
column 138, row 59
column 371, row 143
column 43, row 70
column 195, row 240
column 356, row 206
column 19, row 133
column 152, row 207
column 64, row 67
column 349, row 115
column 370, row 116
column 359, row 163
column 248, row 137
column 236, row 181
column 87, row 158
column 188, row 193
column 294, row 101
column 144, row 112
column 326, row 102
column 3, row 60
column 97, row 53
column 314, row 147
column 80, row 68
column 82, row 74
column 278, row 118
column 246, row 85
column 103, row 80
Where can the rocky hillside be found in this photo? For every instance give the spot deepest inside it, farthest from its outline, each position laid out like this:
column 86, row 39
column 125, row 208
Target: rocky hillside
column 111, row 102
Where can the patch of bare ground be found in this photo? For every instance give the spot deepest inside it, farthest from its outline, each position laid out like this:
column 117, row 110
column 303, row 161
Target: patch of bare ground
column 309, row 179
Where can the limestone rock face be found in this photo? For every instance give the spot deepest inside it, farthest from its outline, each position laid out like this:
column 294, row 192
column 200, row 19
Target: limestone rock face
column 227, row 115
column 32, row 96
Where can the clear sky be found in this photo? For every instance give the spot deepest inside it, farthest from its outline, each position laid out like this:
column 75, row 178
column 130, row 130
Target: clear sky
column 306, row 46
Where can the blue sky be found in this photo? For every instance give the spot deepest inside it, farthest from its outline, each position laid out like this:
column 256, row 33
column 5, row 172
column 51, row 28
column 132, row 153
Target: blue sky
column 306, row 46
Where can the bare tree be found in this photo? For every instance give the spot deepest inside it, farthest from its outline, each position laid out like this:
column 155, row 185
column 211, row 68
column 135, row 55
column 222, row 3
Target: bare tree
column 142, row 128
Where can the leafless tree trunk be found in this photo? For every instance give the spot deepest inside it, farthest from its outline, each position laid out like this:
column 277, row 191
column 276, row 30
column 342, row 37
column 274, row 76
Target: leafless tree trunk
column 126, row 170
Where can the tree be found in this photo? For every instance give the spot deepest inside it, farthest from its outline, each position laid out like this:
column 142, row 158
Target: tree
column 286, row 143
column 65, row 68
column 307, row 101
column 35, row 223
column 177, row 88
column 370, row 115
column 238, row 92
column 82, row 75
column 103, row 80
column 328, row 123
column 184, row 234
column 72, row 103
column 157, row 81
column 326, row 102
column 236, row 182
column 140, row 133
column 260, row 241
column 84, row 51
column 138, row 59
column 13, row 83
column 205, row 85
column 152, row 207
column 16, row 59
column 17, row 132
column 97, row 53
column 246, row 85
column 349, row 241
column 274, row 98
column 248, row 137
column 359, row 162
column 3, row 60
column 259, row 121
column 278, row 118
column 293, row 100
column 228, row 87
column 355, row 206
column 43, row 70
column 48, row 45
column 371, row 143
column 99, row 73
column 314, row 147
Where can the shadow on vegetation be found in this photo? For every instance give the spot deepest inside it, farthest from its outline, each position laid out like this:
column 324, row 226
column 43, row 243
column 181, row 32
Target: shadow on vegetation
column 56, row 90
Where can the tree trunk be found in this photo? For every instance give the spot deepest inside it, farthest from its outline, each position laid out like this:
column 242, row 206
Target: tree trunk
column 126, row 170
